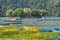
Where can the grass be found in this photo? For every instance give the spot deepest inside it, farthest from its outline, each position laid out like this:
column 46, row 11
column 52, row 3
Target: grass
column 17, row 34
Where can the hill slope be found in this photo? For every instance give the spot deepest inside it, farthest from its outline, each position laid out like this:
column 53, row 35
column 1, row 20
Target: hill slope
column 53, row 6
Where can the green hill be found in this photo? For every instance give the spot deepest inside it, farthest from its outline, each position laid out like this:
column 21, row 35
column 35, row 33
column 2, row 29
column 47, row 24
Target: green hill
column 53, row 6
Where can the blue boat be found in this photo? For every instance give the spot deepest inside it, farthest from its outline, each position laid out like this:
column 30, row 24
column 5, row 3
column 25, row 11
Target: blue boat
column 44, row 30
column 52, row 39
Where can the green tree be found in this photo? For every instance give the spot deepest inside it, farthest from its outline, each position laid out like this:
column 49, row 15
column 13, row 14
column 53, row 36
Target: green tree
column 9, row 12
column 35, row 12
column 27, row 11
column 42, row 11
column 18, row 13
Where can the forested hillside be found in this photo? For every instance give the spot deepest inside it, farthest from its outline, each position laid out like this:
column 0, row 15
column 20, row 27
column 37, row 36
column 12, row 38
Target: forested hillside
column 52, row 6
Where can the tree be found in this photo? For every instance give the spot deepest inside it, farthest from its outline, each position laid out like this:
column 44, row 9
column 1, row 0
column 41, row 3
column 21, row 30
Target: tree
column 9, row 12
column 27, row 11
column 18, row 13
column 35, row 12
column 42, row 11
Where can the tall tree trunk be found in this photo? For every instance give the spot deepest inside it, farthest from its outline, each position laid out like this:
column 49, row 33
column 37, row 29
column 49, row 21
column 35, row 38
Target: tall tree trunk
column 20, row 20
column 30, row 15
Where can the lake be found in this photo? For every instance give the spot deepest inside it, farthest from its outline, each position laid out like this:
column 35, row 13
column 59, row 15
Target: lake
column 48, row 22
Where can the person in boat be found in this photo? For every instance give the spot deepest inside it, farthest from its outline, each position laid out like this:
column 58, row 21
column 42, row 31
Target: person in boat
column 42, row 16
